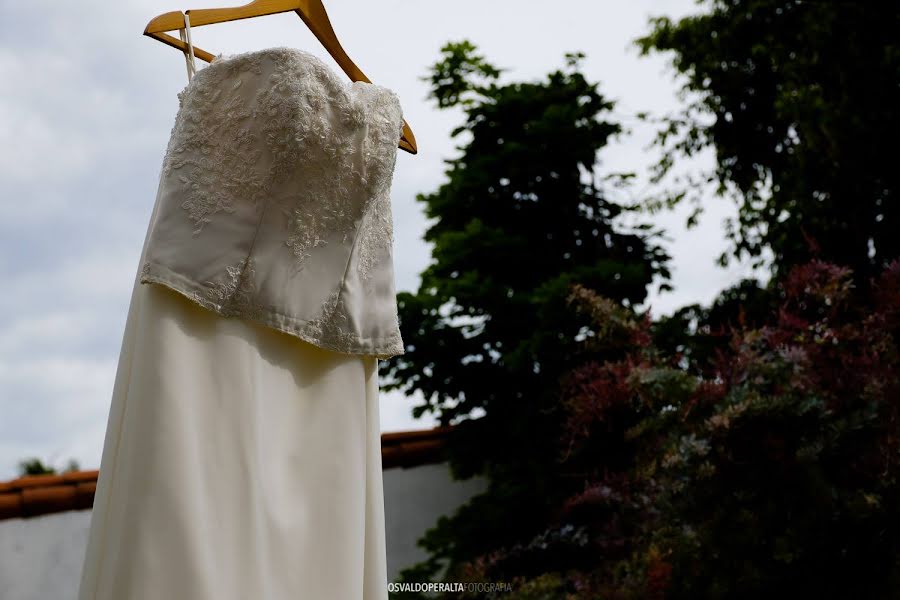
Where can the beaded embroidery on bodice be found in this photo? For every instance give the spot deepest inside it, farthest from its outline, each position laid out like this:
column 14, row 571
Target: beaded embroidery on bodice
column 274, row 201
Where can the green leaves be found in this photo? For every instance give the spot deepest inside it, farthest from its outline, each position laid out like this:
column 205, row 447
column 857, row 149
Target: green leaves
column 455, row 79
column 489, row 332
column 798, row 101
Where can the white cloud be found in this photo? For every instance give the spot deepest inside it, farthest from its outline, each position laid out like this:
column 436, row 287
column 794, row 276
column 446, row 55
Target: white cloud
column 48, row 404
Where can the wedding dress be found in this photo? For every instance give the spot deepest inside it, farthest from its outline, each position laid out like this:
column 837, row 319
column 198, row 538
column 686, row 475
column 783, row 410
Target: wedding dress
column 242, row 456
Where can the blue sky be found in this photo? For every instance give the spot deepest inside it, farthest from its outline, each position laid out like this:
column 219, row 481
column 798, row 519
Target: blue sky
column 86, row 107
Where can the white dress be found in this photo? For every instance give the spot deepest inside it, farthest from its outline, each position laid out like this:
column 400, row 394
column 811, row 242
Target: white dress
column 242, row 457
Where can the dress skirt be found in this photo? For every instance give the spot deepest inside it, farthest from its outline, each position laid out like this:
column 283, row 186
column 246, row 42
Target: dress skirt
column 239, row 463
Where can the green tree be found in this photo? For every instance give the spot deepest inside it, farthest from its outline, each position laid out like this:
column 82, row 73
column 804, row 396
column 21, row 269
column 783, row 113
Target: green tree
column 522, row 215
column 799, row 101
column 35, row 466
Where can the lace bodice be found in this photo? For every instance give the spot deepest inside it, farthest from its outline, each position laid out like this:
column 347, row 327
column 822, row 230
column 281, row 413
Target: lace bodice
column 274, row 200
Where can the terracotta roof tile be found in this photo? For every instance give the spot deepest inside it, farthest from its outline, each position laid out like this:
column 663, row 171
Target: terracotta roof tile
column 35, row 495
column 413, row 448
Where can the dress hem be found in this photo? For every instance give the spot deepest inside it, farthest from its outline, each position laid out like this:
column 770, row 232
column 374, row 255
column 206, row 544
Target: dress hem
column 382, row 348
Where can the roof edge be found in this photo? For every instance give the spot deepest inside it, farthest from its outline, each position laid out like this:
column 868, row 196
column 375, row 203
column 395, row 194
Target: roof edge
column 36, row 495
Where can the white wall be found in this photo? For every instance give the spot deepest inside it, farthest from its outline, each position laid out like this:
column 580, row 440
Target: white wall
column 41, row 557
column 413, row 501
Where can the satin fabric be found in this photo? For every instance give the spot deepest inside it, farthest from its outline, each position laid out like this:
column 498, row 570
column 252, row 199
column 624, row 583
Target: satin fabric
column 239, row 463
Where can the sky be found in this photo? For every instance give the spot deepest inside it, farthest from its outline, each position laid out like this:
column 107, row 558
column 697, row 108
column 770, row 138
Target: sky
column 87, row 104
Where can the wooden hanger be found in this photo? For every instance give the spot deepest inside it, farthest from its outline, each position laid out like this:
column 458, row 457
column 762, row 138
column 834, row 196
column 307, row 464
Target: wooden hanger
column 312, row 12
